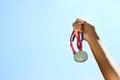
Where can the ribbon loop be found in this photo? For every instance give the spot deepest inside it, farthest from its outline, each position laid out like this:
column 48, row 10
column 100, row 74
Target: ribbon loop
column 79, row 41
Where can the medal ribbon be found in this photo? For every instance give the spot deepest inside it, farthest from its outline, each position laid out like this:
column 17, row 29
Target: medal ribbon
column 79, row 41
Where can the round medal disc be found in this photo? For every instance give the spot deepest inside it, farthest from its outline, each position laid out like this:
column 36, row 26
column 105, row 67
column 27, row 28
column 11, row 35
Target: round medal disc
column 80, row 56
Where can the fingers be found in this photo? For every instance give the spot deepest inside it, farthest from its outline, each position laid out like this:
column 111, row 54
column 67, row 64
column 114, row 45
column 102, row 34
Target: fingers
column 82, row 29
column 78, row 25
column 80, row 21
column 78, row 29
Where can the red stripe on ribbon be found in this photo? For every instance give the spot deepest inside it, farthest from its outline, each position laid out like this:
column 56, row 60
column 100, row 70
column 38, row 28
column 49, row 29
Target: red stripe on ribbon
column 79, row 43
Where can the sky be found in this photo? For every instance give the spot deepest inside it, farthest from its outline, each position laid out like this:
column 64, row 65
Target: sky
column 34, row 38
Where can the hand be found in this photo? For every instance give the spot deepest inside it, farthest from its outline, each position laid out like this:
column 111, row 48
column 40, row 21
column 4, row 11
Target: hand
column 87, row 29
column 103, row 59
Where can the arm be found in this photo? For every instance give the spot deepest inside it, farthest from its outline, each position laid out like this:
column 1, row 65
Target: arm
column 107, row 66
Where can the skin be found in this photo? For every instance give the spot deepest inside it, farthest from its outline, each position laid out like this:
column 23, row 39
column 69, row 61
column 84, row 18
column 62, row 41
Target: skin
column 109, row 69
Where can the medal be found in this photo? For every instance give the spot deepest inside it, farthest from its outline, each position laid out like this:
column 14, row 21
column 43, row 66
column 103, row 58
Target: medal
column 81, row 55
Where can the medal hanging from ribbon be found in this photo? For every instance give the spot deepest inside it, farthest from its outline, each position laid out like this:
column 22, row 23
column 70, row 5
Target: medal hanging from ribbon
column 81, row 55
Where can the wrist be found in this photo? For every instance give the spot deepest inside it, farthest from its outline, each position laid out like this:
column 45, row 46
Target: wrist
column 92, row 37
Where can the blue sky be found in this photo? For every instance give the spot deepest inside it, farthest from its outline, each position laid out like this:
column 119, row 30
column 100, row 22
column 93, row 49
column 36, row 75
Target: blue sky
column 34, row 38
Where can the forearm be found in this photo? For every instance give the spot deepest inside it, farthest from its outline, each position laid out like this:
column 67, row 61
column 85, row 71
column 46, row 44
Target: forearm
column 108, row 68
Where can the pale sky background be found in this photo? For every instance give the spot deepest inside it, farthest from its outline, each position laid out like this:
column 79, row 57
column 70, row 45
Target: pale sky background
column 34, row 38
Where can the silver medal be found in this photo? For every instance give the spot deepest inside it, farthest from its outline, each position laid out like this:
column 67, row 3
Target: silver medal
column 80, row 56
